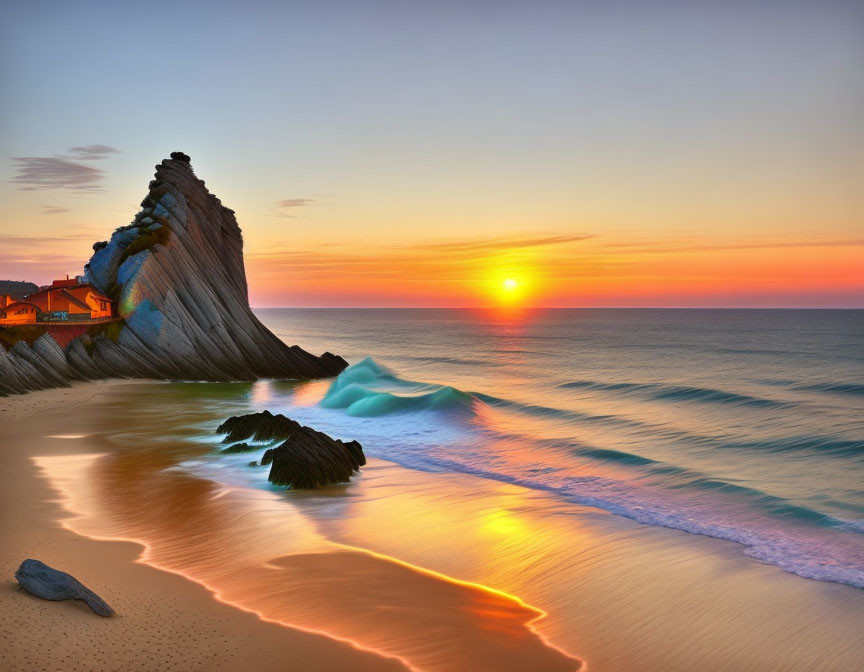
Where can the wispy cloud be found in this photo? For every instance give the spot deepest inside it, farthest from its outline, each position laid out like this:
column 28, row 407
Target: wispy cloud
column 434, row 262
column 493, row 244
column 53, row 210
column 92, row 152
column 284, row 206
column 653, row 248
column 9, row 242
column 294, row 202
column 36, row 173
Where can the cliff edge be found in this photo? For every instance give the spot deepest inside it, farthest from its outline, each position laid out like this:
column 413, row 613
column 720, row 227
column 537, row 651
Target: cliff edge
column 177, row 275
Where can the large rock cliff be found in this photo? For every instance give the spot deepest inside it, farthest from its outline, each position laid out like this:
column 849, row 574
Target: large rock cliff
column 177, row 275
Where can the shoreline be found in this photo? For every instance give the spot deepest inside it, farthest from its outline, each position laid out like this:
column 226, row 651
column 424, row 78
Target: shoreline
column 163, row 621
column 467, row 611
column 399, row 560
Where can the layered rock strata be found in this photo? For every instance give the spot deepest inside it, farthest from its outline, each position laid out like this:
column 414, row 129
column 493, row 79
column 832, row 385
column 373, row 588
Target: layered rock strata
column 177, row 275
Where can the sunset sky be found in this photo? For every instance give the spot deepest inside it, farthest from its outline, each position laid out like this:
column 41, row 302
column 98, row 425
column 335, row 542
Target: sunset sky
column 646, row 153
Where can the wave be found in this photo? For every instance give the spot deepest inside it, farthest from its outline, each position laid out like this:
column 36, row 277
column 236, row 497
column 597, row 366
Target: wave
column 368, row 389
column 358, row 390
column 792, row 534
column 817, row 444
column 856, row 389
column 456, row 361
column 662, row 391
column 813, row 545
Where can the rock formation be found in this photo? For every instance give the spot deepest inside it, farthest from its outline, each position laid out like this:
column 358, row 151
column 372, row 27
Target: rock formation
column 178, row 277
column 263, row 426
column 43, row 581
column 307, row 458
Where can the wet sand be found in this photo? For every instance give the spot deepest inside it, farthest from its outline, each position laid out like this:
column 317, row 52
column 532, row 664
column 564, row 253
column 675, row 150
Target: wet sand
column 224, row 572
column 163, row 621
column 404, row 563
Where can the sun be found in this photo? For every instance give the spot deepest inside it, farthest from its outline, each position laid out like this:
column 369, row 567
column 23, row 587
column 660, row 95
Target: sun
column 509, row 290
column 509, row 287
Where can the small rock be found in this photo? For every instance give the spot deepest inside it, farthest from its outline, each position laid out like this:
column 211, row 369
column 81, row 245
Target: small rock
column 239, row 448
column 43, row 581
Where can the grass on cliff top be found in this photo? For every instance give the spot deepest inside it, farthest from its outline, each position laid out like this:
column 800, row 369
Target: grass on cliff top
column 145, row 240
column 28, row 333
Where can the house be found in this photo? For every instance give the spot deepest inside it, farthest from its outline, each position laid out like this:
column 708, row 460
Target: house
column 64, row 301
column 18, row 312
column 99, row 305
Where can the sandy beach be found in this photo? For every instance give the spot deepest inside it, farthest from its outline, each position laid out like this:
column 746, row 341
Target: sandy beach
column 171, row 619
column 401, row 569
column 163, row 621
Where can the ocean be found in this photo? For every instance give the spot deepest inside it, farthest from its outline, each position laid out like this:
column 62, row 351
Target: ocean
column 642, row 488
column 745, row 425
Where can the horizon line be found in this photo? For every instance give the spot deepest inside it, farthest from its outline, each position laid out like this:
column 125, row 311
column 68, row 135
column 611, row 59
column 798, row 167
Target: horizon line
column 557, row 307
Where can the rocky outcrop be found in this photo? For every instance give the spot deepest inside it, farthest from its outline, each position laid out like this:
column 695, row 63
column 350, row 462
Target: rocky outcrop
column 306, row 458
column 239, row 448
column 263, row 426
column 178, row 277
column 43, row 581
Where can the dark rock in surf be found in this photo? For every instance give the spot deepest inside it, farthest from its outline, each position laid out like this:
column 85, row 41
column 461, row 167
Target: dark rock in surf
column 263, row 426
column 43, row 581
column 239, row 448
column 307, row 458
column 311, row 459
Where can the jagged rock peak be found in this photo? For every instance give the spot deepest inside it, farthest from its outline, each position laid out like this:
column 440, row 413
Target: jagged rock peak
column 177, row 274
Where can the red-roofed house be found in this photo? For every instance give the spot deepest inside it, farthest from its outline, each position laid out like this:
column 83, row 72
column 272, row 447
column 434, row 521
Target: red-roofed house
column 70, row 302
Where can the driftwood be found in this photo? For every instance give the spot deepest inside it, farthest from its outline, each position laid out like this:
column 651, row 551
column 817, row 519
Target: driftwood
column 43, row 581
column 307, row 458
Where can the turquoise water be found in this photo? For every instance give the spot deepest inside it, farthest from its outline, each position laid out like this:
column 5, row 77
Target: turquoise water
column 742, row 425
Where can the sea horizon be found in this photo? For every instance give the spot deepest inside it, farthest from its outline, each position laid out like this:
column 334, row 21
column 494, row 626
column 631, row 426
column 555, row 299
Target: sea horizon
column 500, row 309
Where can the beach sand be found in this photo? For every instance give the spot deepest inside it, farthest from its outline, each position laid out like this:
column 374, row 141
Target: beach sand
column 203, row 613
column 404, row 563
column 163, row 621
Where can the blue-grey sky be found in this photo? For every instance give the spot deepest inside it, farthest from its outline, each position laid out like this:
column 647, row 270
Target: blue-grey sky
column 382, row 125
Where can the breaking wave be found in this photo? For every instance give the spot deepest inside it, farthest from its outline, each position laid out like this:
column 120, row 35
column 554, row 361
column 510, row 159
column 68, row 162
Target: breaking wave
column 367, row 389
column 800, row 536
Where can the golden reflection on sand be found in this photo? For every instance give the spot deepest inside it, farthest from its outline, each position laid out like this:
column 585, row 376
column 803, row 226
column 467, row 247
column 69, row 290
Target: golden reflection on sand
column 259, row 552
